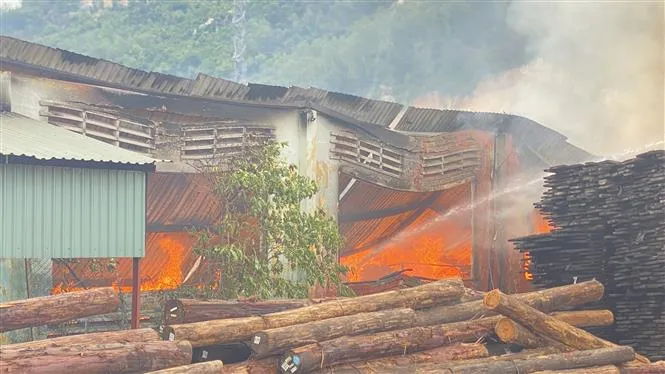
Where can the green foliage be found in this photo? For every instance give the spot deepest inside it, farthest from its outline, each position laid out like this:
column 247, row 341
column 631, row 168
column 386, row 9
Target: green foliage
column 369, row 48
column 269, row 246
column 406, row 50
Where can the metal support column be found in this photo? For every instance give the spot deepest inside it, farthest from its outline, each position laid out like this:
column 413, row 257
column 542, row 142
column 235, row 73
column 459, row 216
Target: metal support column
column 136, row 290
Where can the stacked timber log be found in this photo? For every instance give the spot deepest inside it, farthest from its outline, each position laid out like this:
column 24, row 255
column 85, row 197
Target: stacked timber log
column 178, row 311
column 65, row 307
column 151, row 312
column 435, row 327
column 609, row 220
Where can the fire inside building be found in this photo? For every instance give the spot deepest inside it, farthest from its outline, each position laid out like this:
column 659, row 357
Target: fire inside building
column 420, row 192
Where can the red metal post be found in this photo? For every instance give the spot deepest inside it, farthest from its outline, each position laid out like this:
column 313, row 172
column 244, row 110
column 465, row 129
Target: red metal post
column 136, row 282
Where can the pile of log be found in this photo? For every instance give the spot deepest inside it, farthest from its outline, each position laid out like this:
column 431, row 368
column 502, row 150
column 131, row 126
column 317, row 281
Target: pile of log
column 609, row 224
column 40, row 311
column 436, row 327
column 151, row 312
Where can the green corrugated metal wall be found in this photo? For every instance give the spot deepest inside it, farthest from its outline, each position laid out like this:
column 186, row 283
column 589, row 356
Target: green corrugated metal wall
column 56, row 212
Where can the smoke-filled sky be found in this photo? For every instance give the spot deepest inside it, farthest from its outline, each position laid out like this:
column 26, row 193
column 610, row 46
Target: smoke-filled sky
column 598, row 76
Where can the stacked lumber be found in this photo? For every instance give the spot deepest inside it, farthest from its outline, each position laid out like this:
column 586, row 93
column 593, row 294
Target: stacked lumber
column 609, row 220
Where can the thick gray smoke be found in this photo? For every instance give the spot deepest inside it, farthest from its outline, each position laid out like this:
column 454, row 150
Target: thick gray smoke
column 598, row 76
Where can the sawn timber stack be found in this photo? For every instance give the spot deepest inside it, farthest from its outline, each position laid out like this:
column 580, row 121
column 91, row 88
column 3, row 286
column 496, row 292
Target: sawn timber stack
column 609, row 224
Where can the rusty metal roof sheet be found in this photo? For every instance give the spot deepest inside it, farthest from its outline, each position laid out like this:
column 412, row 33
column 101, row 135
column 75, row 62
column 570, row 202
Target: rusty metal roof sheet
column 163, row 251
column 549, row 145
column 365, row 197
column 181, row 199
column 22, row 136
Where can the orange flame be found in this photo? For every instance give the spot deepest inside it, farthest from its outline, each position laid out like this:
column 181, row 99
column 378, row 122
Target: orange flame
column 171, row 275
column 440, row 249
column 162, row 268
column 540, row 226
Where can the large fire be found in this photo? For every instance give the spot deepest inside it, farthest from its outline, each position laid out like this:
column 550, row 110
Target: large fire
column 431, row 247
column 168, row 257
column 170, row 276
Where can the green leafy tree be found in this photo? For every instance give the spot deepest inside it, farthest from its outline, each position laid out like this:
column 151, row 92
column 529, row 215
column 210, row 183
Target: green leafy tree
column 266, row 246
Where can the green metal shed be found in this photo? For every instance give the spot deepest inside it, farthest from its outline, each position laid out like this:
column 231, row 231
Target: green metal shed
column 63, row 195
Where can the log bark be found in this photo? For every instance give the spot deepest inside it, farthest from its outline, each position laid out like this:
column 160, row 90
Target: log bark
column 557, row 361
column 178, row 311
column 402, row 363
column 641, row 368
column 267, row 365
column 210, row 367
column 364, row 347
column 124, row 336
column 586, row 318
column 275, row 341
column 653, row 368
column 512, row 332
column 362, row 368
column 64, row 307
column 605, row 369
column 547, row 300
column 97, row 358
column 370, row 346
column 542, row 324
column 239, row 329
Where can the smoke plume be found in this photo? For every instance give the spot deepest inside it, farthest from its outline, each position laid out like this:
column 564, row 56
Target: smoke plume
column 597, row 75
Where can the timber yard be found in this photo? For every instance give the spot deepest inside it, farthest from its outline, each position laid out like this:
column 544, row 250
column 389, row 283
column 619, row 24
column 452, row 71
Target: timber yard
column 475, row 242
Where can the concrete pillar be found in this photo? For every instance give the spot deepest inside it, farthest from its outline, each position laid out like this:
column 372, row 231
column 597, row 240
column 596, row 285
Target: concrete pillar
column 318, row 164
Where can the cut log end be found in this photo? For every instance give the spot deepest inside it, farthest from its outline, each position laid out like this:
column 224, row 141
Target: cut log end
column 185, row 347
column 506, row 331
column 174, row 312
column 492, row 299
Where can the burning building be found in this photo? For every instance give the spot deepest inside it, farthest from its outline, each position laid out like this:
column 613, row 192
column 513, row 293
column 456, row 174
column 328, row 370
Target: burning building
column 430, row 193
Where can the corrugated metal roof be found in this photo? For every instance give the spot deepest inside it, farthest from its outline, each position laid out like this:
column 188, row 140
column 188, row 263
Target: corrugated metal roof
column 183, row 199
column 365, row 110
column 547, row 143
column 374, row 197
column 347, row 107
column 22, row 136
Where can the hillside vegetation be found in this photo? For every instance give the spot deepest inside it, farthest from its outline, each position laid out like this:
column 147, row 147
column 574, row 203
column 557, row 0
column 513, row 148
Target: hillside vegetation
column 387, row 49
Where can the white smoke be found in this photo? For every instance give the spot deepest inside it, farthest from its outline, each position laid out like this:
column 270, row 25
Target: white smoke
column 598, row 76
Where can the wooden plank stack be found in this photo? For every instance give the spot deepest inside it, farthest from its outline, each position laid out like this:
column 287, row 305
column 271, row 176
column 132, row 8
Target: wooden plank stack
column 433, row 328
column 609, row 220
